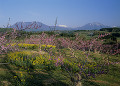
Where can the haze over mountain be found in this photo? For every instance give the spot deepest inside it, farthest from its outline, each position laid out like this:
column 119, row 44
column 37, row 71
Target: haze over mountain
column 30, row 26
column 38, row 26
column 93, row 26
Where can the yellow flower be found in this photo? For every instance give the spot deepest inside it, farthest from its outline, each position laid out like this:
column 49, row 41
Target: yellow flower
column 33, row 62
column 54, row 46
column 15, row 76
column 16, row 59
column 22, row 58
column 7, row 44
column 13, row 44
column 49, row 56
column 49, row 46
column 21, row 74
column 22, row 80
column 43, row 45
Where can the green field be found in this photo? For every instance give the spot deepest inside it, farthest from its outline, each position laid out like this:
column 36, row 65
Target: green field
column 56, row 64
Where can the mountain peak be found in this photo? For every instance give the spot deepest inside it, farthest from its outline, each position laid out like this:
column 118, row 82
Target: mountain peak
column 95, row 23
column 93, row 26
column 38, row 26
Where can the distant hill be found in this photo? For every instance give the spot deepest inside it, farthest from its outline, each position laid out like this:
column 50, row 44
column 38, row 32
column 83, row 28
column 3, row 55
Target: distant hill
column 30, row 26
column 35, row 26
column 38, row 26
column 93, row 26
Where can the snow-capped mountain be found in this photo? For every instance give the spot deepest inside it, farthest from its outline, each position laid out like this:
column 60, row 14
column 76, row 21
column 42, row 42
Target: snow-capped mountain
column 38, row 26
column 93, row 26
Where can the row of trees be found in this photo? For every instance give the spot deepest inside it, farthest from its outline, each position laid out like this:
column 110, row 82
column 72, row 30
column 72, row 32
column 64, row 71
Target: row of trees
column 114, row 29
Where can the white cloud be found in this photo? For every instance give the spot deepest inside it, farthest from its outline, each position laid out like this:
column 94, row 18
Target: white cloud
column 62, row 25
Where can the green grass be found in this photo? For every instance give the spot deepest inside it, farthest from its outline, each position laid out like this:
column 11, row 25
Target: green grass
column 55, row 77
column 32, row 77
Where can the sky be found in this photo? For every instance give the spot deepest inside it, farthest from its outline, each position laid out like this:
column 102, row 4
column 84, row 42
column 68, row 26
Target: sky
column 69, row 13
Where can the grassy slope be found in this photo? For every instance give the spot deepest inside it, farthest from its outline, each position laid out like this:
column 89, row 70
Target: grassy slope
column 56, row 78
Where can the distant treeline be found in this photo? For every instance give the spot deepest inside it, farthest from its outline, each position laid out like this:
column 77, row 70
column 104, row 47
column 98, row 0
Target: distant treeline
column 113, row 37
column 114, row 29
column 3, row 30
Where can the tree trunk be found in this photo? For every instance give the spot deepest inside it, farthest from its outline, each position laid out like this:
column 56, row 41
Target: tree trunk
column 77, row 80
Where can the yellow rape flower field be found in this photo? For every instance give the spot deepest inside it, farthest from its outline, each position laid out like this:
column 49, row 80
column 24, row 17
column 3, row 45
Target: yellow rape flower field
column 33, row 64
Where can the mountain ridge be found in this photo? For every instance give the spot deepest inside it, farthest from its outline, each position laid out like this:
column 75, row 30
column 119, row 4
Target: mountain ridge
column 93, row 26
column 38, row 26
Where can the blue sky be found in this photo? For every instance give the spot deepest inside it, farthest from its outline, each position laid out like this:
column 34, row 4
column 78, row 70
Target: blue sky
column 72, row 13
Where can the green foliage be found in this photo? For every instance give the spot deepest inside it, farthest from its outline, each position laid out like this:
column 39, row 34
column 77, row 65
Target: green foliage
column 117, row 34
column 92, row 63
column 67, row 34
column 81, row 30
column 50, row 32
column 3, row 30
column 114, row 29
